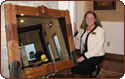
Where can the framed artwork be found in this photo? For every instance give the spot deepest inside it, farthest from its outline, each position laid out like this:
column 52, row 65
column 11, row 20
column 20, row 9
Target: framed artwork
column 30, row 51
column 104, row 5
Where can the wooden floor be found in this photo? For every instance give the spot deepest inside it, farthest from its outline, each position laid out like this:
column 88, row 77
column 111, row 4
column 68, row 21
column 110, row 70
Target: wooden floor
column 113, row 65
column 110, row 64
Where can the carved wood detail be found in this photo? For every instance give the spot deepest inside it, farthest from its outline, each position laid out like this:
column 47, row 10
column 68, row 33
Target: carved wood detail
column 44, row 11
column 69, row 27
column 26, row 10
column 70, row 35
column 71, row 41
column 68, row 21
column 63, row 65
column 47, row 69
column 11, row 32
column 10, row 14
column 12, row 43
column 35, row 72
column 14, row 66
column 51, row 68
column 13, row 51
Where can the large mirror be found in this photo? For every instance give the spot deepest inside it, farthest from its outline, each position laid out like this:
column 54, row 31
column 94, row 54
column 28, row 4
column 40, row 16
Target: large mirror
column 36, row 35
column 43, row 34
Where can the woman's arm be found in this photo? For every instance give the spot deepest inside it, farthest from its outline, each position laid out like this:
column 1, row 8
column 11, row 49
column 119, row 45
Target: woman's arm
column 75, row 28
column 75, row 34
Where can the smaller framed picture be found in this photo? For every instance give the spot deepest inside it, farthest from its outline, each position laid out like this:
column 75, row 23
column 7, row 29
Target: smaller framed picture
column 104, row 5
column 30, row 50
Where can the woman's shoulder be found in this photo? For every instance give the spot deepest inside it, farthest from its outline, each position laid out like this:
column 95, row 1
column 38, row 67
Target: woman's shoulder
column 100, row 28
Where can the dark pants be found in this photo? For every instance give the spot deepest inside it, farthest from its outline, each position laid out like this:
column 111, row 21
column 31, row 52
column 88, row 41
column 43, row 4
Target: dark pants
column 87, row 66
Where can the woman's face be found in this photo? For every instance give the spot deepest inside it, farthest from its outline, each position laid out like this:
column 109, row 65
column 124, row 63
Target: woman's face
column 90, row 19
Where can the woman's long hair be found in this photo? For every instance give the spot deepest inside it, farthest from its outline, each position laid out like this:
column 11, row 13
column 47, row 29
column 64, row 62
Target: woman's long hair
column 84, row 25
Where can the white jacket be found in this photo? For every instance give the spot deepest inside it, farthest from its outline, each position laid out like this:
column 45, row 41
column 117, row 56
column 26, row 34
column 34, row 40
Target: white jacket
column 95, row 43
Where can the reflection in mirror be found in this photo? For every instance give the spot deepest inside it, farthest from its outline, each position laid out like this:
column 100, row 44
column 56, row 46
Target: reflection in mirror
column 52, row 57
column 30, row 51
column 58, row 47
column 48, row 34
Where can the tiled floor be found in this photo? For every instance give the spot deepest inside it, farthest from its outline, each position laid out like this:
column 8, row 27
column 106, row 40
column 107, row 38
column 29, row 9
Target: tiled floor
column 107, row 64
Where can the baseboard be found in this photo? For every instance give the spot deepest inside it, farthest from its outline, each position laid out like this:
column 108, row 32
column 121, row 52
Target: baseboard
column 108, row 55
column 115, row 56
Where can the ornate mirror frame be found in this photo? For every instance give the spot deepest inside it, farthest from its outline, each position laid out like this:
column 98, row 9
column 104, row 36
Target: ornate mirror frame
column 12, row 40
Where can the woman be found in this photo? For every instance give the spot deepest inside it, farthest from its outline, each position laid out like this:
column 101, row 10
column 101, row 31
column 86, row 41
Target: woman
column 91, row 45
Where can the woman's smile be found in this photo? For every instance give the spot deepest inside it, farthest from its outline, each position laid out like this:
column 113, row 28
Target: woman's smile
column 90, row 19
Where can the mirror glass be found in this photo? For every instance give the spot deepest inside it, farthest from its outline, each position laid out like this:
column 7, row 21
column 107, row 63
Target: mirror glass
column 39, row 35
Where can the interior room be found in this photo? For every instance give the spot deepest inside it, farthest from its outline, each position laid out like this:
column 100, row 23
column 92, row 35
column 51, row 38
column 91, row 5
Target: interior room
column 52, row 38
column 35, row 27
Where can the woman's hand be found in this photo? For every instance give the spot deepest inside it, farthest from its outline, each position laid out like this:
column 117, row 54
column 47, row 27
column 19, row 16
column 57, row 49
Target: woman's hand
column 75, row 28
column 80, row 59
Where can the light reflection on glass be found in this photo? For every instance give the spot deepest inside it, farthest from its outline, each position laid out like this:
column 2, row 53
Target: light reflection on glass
column 51, row 53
